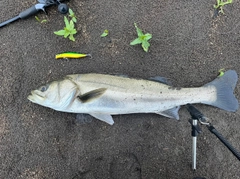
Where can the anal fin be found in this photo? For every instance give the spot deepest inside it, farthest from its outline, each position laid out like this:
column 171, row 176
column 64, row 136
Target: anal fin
column 171, row 113
column 103, row 117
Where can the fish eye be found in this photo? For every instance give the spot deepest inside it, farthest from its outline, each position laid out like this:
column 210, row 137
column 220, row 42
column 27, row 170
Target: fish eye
column 43, row 88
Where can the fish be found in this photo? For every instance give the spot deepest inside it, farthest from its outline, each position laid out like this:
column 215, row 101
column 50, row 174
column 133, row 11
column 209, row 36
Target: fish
column 102, row 95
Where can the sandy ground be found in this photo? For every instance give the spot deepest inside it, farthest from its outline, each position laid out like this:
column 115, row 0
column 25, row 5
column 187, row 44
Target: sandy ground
column 188, row 46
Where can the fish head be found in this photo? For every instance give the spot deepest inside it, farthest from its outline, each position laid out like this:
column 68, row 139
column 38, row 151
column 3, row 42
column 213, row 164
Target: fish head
column 57, row 95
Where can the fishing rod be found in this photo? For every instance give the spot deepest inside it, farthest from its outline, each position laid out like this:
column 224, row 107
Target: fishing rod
column 41, row 5
column 197, row 116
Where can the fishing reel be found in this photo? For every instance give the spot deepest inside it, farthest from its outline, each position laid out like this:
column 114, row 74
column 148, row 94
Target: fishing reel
column 42, row 4
column 62, row 7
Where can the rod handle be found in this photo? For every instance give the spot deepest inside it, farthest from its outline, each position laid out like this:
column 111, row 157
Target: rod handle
column 29, row 12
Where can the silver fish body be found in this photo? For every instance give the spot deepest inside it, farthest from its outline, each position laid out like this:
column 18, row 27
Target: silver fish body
column 104, row 95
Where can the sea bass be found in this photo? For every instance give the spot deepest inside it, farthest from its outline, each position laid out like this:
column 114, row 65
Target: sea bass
column 104, row 95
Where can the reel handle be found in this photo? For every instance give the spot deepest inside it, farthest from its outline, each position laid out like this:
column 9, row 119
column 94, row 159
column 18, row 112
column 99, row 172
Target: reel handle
column 62, row 7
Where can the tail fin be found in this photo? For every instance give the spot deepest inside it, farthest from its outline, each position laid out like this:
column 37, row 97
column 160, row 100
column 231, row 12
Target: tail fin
column 225, row 86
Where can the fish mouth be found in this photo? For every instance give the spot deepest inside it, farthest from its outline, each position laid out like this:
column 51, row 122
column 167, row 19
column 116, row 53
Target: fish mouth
column 35, row 97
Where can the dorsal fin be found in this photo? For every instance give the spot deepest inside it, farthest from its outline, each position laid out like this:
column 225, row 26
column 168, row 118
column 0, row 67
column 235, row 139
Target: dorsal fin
column 160, row 79
column 120, row 75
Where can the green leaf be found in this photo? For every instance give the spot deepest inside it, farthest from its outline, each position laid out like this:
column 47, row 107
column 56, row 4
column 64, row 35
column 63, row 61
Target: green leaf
column 142, row 39
column 68, row 30
column 139, row 31
column 37, row 18
column 71, row 25
column 40, row 21
column 74, row 31
column 71, row 12
column 105, row 33
column 67, row 33
column 136, row 41
column 44, row 21
column 145, row 45
column 74, row 19
column 60, row 32
column 221, row 3
column 147, row 36
column 218, row 3
column 72, row 15
column 71, row 37
column 66, row 22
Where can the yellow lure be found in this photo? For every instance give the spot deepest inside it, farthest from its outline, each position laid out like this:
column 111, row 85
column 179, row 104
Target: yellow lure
column 71, row 55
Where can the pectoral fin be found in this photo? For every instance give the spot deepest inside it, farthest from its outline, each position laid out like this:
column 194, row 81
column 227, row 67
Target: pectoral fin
column 94, row 94
column 103, row 117
column 171, row 113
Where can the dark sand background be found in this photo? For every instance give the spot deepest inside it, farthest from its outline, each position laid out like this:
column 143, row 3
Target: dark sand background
column 188, row 46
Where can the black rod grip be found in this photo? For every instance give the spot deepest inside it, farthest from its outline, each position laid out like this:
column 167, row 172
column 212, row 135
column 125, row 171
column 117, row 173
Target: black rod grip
column 224, row 141
column 28, row 12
